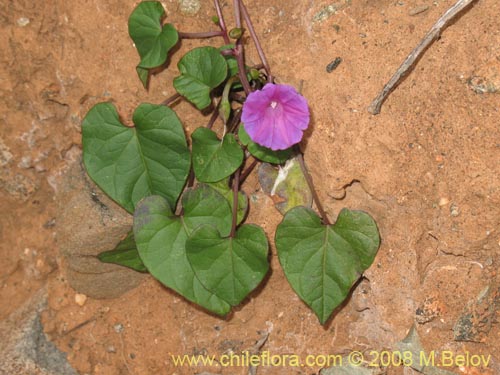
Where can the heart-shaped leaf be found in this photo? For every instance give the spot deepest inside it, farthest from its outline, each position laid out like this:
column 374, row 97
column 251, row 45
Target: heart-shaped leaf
column 223, row 188
column 161, row 237
column 202, row 69
column 322, row 262
column 152, row 40
column 230, row 267
column 132, row 163
column 261, row 152
column 124, row 254
column 214, row 159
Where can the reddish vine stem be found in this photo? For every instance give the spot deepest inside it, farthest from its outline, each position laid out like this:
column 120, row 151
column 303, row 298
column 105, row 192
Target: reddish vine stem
column 236, row 188
column 310, row 183
column 237, row 13
column 201, row 35
column 249, row 170
column 233, row 124
column 170, row 99
column 255, row 39
column 213, row 118
column 222, row 24
column 241, row 68
column 237, row 97
column 238, row 50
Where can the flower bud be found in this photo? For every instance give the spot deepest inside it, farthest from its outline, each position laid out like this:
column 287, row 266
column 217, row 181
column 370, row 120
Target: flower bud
column 236, row 33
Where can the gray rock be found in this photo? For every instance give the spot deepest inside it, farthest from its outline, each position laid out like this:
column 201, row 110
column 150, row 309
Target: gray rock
column 24, row 348
column 89, row 223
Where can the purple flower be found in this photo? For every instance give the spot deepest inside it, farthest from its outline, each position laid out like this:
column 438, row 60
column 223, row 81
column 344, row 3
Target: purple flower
column 276, row 116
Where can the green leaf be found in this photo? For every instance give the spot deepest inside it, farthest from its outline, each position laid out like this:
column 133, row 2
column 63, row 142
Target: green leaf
column 229, row 267
column 202, row 69
column 232, row 66
column 152, row 40
column 124, row 254
column 132, row 163
column 143, row 76
column 214, row 159
column 223, row 188
column 322, row 262
column 161, row 238
column 263, row 153
column 232, row 63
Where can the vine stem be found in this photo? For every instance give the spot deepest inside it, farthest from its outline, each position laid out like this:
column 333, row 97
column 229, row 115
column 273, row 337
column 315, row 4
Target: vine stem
column 222, row 24
column 235, row 121
column 309, row 181
column 249, row 169
column 200, row 35
column 213, row 118
column 255, row 39
column 236, row 188
column 239, row 54
column 170, row 99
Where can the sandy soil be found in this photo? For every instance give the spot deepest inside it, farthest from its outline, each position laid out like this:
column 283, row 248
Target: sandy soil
column 427, row 168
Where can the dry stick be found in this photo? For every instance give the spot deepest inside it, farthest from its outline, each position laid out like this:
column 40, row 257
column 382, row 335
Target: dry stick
column 78, row 326
column 433, row 33
column 252, row 370
column 260, row 51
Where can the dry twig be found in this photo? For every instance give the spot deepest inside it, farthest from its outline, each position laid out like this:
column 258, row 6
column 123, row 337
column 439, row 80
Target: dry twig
column 433, row 34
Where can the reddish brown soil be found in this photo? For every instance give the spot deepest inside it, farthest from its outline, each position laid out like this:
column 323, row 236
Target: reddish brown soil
column 427, row 168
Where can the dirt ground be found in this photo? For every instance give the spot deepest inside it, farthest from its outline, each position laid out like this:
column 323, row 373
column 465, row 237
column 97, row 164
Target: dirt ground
column 427, row 169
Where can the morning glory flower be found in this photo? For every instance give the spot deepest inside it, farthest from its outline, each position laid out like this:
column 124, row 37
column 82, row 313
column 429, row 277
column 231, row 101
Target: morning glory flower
column 276, row 116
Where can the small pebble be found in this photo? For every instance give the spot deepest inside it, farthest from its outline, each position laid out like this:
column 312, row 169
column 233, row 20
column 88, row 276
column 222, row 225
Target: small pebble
column 80, row 299
column 189, row 7
column 118, row 328
column 333, row 65
column 454, row 211
column 23, row 21
column 111, row 349
column 443, row 201
column 25, row 162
